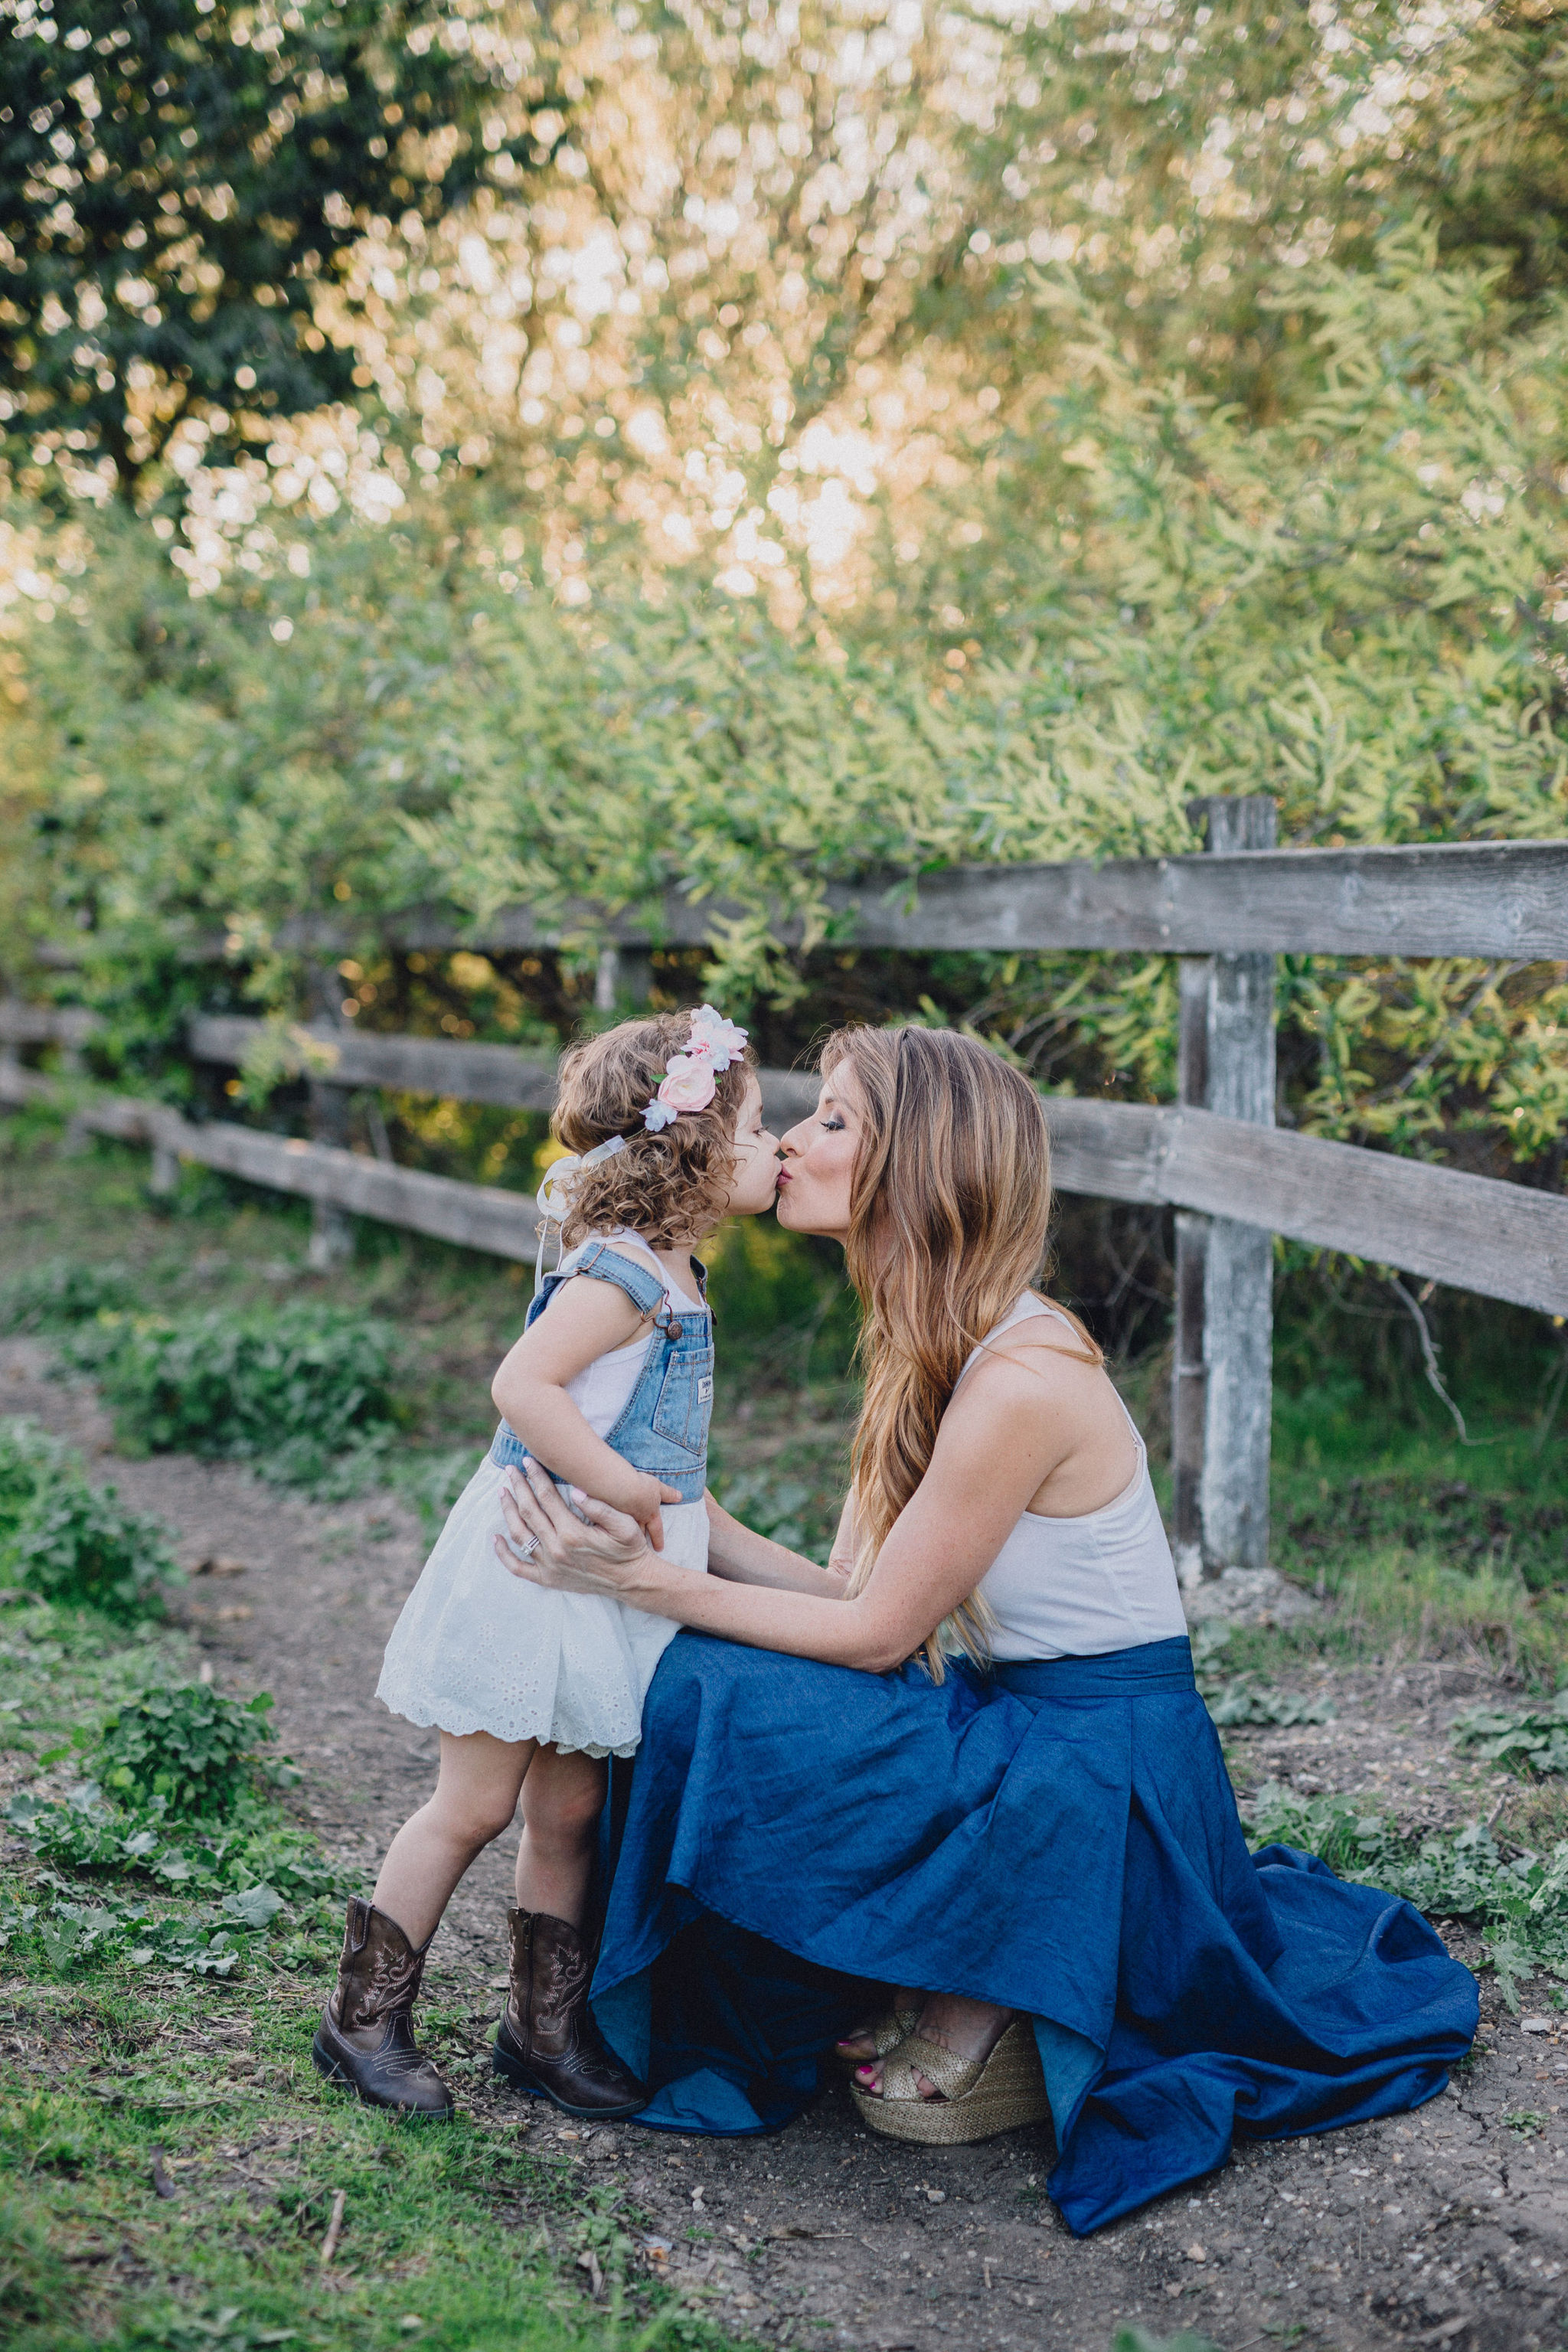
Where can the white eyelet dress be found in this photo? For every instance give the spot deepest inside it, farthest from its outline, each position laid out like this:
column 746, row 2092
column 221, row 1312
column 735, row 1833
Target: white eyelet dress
column 477, row 1649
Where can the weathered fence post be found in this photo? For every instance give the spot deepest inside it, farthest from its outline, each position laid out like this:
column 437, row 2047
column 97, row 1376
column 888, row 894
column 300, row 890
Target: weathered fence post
column 623, row 977
column 1220, row 1405
column 331, row 1229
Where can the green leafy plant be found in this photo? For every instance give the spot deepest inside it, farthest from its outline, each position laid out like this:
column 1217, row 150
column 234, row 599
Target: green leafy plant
column 28, row 1456
column 1519, row 1901
column 210, row 1941
column 70, row 1541
column 1243, row 1699
column 82, row 1829
column 1529, row 1739
column 298, row 1385
column 62, row 1292
column 190, row 1745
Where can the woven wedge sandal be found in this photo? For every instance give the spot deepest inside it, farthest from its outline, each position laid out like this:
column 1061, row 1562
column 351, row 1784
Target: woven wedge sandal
column 978, row 2096
column 895, row 2025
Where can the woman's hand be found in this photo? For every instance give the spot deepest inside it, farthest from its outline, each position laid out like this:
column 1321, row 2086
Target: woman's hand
column 602, row 1551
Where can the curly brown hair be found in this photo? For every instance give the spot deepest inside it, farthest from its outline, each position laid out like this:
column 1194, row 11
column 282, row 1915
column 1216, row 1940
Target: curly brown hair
column 667, row 1186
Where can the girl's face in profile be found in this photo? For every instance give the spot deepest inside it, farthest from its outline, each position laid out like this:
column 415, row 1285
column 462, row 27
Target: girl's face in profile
column 819, row 1159
column 756, row 1168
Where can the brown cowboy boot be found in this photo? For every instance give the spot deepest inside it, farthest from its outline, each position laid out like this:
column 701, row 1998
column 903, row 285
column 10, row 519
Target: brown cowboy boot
column 366, row 2034
column 547, row 2039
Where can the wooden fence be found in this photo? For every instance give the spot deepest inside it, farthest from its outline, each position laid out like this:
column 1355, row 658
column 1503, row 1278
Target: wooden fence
column 1216, row 1157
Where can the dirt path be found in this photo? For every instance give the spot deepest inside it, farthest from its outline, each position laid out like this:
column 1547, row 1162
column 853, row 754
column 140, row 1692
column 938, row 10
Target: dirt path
column 1447, row 2228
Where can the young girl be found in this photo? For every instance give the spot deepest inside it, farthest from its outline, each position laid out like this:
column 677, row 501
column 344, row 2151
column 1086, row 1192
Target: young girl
column 610, row 1388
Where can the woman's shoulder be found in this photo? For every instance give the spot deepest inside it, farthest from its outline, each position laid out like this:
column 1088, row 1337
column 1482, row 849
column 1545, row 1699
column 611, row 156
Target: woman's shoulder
column 1039, row 1356
column 1034, row 1327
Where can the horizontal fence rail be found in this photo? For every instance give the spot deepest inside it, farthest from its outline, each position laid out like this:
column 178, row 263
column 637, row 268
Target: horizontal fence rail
column 45, row 1024
column 505, row 1075
column 1504, row 1240
column 476, row 1217
column 1478, row 898
column 1441, row 899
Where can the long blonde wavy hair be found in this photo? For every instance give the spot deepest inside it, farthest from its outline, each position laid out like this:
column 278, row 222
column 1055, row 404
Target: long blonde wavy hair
column 949, row 1210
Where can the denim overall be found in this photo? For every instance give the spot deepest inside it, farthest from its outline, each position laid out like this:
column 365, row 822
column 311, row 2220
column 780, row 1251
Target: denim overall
column 664, row 1429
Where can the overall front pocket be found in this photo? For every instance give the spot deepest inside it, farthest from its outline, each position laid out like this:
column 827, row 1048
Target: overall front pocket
column 685, row 1404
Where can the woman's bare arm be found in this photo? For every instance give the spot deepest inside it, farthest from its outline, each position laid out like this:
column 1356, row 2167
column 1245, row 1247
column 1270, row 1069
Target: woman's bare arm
column 1008, row 1427
column 841, row 1559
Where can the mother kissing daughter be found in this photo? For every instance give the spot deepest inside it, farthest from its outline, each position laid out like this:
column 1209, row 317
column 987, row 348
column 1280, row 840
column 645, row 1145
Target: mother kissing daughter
column 958, row 1789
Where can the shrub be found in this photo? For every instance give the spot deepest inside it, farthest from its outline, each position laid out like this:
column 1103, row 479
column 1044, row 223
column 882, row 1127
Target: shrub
column 60, row 1293
column 190, row 1745
column 71, row 1542
column 28, row 1455
column 301, row 1381
column 1528, row 1738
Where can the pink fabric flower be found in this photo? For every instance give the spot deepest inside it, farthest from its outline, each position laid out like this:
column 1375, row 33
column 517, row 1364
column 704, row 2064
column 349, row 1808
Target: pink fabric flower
column 689, row 1083
column 713, row 1034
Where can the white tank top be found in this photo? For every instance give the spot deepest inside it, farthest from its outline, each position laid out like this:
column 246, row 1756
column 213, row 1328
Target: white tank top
column 1078, row 1587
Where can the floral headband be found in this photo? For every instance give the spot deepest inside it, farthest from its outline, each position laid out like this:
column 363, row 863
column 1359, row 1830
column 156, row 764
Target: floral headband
column 691, row 1079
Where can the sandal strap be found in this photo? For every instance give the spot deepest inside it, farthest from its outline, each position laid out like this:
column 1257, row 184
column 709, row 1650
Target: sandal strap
column 895, row 2026
column 951, row 2075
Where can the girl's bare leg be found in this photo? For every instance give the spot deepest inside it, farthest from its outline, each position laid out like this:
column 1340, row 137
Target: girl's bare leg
column 971, row 2028
column 562, row 1797
column 475, row 1800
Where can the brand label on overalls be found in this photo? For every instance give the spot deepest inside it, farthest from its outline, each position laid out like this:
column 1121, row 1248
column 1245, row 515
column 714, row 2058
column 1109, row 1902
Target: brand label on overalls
column 705, row 1389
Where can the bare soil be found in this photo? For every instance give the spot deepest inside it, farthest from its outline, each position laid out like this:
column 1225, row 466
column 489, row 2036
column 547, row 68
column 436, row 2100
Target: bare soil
column 1447, row 2228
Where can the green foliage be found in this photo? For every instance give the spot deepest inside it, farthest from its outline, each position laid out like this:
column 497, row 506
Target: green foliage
column 188, row 1744
column 1366, row 1461
column 1529, row 1739
column 67, row 1541
column 1519, row 1902
column 180, row 1798
column 793, row 1511
column 64, row 1933
column 60, row 1292
column 179, row 181
column 1243, row 1699
column 254, row 1846
column 297, row 1385
column 1349, row 607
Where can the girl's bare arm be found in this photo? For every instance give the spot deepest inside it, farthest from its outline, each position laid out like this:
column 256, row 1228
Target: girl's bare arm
column 586, row 1319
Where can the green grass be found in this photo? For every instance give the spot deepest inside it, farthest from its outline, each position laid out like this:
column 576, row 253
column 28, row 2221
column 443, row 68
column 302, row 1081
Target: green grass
column 129, row 2072
column 452, row 2237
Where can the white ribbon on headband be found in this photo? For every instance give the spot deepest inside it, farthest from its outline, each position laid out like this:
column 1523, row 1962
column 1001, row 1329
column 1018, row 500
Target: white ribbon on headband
column 555, row 1193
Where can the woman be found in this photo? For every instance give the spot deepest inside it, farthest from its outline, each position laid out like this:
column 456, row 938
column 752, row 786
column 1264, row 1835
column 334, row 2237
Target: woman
column 969, row 1757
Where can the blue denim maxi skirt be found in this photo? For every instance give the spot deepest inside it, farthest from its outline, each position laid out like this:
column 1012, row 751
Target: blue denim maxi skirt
column 1059, row 1837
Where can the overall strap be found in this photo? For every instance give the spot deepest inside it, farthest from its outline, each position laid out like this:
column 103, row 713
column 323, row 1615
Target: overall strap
column 642, row 1284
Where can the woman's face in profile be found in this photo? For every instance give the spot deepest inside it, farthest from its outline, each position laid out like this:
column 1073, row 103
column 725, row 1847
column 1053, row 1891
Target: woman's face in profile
column 819, row 1157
